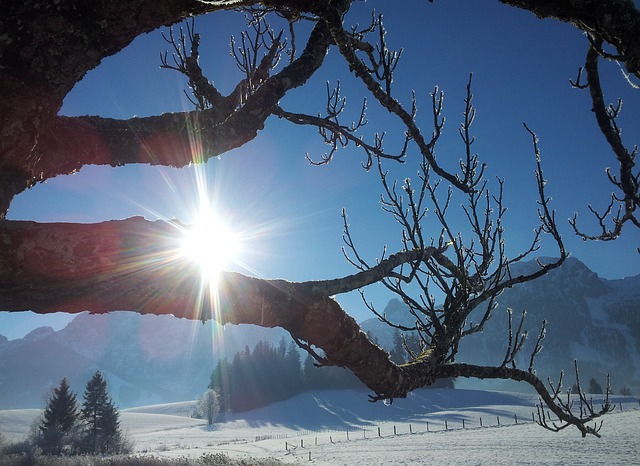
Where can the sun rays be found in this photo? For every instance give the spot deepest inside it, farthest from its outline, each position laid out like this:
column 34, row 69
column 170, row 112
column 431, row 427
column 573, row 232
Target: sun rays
column 210, row 243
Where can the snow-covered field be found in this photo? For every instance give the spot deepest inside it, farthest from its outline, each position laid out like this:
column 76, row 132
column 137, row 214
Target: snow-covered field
column 342, row 427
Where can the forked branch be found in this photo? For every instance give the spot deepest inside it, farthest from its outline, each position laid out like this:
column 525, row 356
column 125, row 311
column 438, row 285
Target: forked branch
column 622, row 208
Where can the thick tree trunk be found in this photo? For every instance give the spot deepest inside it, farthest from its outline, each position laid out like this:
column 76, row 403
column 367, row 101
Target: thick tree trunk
column 45, row 49
column 53, row 49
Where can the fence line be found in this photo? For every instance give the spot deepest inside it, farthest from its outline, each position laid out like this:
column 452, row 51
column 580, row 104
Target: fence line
column 393, row 430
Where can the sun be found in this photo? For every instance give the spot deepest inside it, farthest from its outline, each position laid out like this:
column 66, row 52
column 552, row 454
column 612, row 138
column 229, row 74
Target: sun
column 210, row 243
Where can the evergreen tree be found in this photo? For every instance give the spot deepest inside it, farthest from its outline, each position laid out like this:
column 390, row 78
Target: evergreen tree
column 100, row 418
column 292, row 371
column 594, row 386
column 327, row 377
column 310, row 373
column 282, row 349
column 220, row 382
column 397, row 353
column 58, row 419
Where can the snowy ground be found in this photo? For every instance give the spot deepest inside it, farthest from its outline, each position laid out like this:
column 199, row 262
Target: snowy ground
column 342, row 427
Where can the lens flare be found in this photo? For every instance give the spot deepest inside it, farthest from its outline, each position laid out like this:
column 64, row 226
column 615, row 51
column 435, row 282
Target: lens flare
column 210, row 243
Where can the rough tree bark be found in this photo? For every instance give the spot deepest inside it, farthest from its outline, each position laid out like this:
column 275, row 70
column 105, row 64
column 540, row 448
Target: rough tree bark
column 47, row 48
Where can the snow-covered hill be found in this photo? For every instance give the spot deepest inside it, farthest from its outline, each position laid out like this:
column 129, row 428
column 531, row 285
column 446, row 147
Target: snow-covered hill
column 342, row 427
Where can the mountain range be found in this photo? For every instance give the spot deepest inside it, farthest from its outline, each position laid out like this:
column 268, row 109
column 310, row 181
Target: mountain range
column 154, row 359
column 146, row 359
column 592, row 320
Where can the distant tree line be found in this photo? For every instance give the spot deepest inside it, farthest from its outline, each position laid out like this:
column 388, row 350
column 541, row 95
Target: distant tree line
column 93, row 428
column 252, row 379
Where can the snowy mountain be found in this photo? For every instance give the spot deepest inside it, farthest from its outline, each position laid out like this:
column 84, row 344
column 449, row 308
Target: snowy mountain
column 590, row 319
column 145, row 358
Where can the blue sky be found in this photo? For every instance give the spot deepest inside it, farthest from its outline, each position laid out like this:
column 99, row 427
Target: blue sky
column 289, row 211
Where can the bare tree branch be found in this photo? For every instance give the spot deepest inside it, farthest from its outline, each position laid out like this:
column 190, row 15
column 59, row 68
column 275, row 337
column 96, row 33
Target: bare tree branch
column 627, row 182
column 343, row 41
column 550, row 400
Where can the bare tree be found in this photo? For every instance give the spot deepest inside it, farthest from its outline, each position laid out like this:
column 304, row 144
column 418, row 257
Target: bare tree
column 102, row 267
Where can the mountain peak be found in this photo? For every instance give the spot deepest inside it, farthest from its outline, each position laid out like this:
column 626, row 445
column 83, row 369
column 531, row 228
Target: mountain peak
column 39, row 333
column 572, row 274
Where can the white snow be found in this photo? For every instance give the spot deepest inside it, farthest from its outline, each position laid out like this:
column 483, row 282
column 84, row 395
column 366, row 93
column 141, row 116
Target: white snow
column 342, row 427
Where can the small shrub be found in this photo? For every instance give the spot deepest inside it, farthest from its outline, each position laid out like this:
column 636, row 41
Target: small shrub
column 20, row 448
column 23, row 454
column 12, row 459
column 220, row 459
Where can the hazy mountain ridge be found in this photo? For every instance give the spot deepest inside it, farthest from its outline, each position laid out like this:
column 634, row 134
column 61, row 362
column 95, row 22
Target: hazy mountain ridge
column 591, row 319
column 145, row 358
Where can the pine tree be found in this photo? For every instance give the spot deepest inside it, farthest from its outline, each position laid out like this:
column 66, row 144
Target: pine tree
column 292, row 371
column 594, row 386
column 310, row 373
column 220, row 383
column 100, row 417
column 58, row 419
column 397, row 354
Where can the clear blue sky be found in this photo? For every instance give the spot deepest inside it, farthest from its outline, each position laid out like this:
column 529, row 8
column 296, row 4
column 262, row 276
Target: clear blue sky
column 290, row 211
